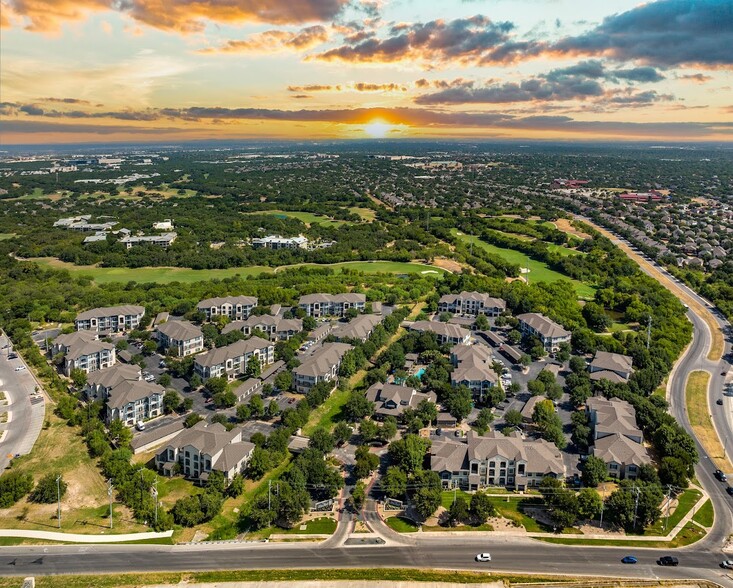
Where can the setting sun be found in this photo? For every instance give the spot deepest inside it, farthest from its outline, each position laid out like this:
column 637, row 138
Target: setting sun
column 378, row 129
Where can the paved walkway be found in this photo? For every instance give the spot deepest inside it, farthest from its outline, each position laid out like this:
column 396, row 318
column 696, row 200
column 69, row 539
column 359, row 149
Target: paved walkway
column 80, row 538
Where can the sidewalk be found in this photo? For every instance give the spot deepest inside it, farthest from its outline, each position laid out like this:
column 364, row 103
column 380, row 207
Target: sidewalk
column 79, row 538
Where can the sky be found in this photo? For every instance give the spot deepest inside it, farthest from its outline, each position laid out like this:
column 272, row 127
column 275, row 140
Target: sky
column 174, row 70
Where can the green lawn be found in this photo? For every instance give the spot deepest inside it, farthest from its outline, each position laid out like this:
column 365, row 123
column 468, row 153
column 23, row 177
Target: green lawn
column 5, row 236
column 324, row 415
column 439, row 529
column 687, row 500
column 164, row 275
column 319, row 526
column 307, row 217
column 447, row 497
column 705, row 516
column 689, row 534
column 366, row 214
column 402, row 525
column 538, row 271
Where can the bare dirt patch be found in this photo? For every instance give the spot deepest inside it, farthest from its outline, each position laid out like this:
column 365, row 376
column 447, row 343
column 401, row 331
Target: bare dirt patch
column 448, row 264
column 564, row 225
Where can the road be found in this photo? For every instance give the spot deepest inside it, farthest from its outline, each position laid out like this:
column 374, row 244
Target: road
column 25, row 408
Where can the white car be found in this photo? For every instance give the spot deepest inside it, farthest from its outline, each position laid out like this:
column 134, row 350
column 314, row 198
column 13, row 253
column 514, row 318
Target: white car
column 20, row 368
column 140, row 426
column 483, row 557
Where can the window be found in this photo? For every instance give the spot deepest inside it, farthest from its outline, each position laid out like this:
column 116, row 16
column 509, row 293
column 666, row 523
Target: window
column 474, row 468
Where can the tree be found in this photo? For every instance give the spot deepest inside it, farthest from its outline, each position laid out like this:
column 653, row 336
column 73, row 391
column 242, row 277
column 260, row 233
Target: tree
column 366, row 462
column 13, row 486
column 409, row 452
column 192, row 419
column 171, row 401
column 216, row 385
column 217, row 482
column 426, row 411
column 459, row 402
column 577, row 364
column 357, row 407
column 481, row 507
column 225, row 399
column 284, row 380
column 513, row 417
column 342, row 433
column 594, row 472
column 119, row 433
column 358, row 495
column 259, row 464
column 458, row 511
column 165, row 380
column 47, row 490
column 273, row 409
column 426, row 501
column 368, row 430
column 149, row 347
column 674, row 472
column 257, row 406
column 79, row 378
column 321, row 440
column 482, row 323
column 536, row 387
column 596, row 317
column 394, row 482
column 589, row 503
column 254, row 367
column 388, row 429
column 483, row 420
column 244, row 412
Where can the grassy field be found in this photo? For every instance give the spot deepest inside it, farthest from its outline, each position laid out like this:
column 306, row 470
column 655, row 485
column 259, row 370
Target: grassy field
column 366, row 214
column 6, row 236
column 438, row 529
column 689, row 534
column 538, row 271
column 84, row 508
column 382, row 575
column 447, row 497
column 705, row 516
column 308, row 218
column 698, row 411
column 164, row 275
column 319, row 526
column 402, row 525
column 686, row 501
column 324, row 415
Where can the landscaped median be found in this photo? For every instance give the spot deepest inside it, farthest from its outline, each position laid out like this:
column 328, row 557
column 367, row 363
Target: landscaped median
column 698, row 411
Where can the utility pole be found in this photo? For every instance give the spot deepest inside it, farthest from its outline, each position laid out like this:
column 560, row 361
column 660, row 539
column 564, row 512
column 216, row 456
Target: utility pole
column 636, row 502
column 110, row 487
column 455, row 490
column 58, row 495
column 269, row 495
column 142, row 480
column 154, row 492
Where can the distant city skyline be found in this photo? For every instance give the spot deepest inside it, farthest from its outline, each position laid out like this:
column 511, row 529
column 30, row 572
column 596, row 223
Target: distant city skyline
column 149, row 70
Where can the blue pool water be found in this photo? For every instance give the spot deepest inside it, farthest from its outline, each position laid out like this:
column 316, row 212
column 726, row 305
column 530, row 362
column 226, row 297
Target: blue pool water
column 420, row 372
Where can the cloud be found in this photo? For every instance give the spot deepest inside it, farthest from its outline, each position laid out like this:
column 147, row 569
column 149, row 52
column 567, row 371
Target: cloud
column 177, row 15
column 65, row 100
column 662, row 33
column 269, row 41
column 467, row 40
column 415, row 117
column 595, row 69
column 314, row 88
column 364, row 87
column 698, row 78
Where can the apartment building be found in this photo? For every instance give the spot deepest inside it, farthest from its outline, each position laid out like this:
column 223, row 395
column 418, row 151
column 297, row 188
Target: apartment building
column 231, row 361
column 472, row 303
column 235, row 307
column 164, row 240
column 546, row 330
column 135, row 401
column 322, row 366
column 494, row 460
column 278, row 242
column 83, row 350
column 359, row 328
column 110, row 319
column 101, row 383
column 617, row 439
column 393, row 400
column 473, row 369
column 446, row 333
column 182, row 337
column 614, row 367
column 204, row 448
column 275, row 327
column 317, row 305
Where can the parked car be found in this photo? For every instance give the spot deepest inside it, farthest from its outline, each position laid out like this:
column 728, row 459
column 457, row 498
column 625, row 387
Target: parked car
column 668, row 560
column 20, row 368
column 720, row 475
column 140, row 426
column 727, row 564
column 483, row 557
column 719, row 402
column 12, row 355
column 629, row 559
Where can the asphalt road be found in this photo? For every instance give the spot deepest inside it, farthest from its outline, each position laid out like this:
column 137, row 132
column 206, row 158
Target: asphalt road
column 25, row 419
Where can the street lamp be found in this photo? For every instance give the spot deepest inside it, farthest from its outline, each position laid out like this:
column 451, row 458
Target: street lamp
column 109, row 493
column 58, row 495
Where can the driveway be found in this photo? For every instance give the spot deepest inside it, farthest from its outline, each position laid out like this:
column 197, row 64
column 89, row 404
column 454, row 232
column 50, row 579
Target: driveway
column 25, row 409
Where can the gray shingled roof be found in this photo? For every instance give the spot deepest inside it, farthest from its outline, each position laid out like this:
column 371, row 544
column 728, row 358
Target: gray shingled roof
column 180, row 330
column 543, row 325
column 126, row 309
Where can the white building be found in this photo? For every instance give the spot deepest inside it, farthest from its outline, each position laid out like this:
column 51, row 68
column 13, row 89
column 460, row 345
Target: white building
column 231, row 361
column 278, row 242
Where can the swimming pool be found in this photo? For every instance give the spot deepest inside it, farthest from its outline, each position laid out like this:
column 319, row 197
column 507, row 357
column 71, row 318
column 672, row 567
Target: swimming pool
column 420, row 372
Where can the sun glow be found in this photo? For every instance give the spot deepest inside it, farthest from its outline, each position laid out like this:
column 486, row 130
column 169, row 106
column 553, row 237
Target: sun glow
column 378, row 129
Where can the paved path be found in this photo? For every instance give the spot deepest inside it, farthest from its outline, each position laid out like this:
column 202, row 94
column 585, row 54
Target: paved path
column 81, row 538
column 26, row 408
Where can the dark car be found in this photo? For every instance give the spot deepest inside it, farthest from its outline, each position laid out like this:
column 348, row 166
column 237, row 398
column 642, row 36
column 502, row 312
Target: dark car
column 719, row 402
column 720, row 475
column 668, row 560
column 729, row 490
column 629, row 559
